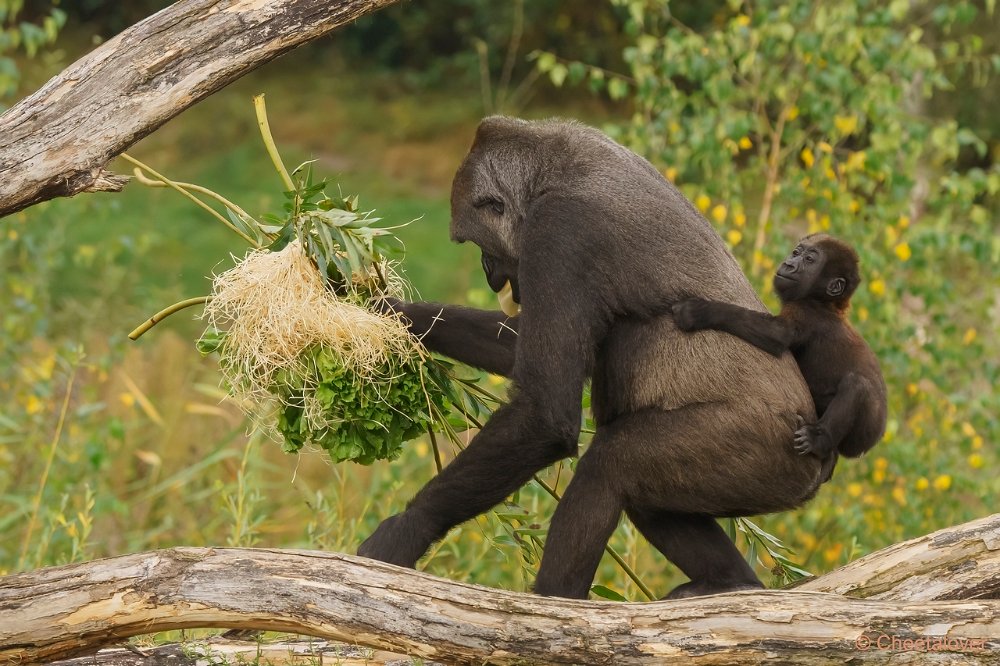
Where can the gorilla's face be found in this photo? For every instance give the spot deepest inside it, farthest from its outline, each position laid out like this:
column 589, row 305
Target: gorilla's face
column 488, row 199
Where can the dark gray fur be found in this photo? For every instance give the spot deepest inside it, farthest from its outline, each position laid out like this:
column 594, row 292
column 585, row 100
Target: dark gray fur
column 690, row 426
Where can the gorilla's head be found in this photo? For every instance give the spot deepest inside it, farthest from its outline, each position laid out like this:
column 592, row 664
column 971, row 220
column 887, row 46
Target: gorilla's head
column 491, row 194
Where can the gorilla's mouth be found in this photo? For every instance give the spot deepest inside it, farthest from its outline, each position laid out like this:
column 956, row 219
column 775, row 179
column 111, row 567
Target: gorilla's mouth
column 779, row 276
column 507, row 300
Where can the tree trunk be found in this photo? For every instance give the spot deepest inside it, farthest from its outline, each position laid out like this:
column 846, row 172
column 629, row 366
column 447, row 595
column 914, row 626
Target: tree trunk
column 58, row 141
column 74, row 609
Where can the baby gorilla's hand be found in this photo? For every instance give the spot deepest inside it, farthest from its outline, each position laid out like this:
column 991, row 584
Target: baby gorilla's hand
column 813, row 438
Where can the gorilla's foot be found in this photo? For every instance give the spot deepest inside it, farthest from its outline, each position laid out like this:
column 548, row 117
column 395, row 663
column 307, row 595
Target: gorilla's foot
column 399, row 540
column 705, row 587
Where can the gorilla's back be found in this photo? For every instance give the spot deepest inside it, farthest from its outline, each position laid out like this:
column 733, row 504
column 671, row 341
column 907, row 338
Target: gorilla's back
column 672, row 253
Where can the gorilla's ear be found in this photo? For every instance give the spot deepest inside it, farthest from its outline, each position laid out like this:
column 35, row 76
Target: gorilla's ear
column 836, row 287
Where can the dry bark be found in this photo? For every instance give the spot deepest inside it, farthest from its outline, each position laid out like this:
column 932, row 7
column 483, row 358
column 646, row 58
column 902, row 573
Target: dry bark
column 58, row 141
column 955, row 563
column 73, row 609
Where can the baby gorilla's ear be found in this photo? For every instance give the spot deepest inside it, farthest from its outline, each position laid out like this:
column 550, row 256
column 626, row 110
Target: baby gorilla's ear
column 836, row 287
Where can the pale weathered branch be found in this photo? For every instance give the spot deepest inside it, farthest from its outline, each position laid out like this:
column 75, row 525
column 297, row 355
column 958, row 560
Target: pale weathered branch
column 58, row 141
column 955, row 563
column 77, row 608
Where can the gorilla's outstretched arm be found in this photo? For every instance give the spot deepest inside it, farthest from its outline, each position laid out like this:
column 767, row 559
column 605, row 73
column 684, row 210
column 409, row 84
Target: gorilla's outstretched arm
column 480, row 338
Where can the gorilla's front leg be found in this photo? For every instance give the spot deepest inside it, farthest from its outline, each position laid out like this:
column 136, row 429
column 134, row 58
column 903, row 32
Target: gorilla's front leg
column 500, row 459
column 480, row 338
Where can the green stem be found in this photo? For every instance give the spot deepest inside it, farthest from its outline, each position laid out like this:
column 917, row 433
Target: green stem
column 37, row 502
column 149, row 182
column 434, row 446
column 164, row 313
column 265, row 132
column 196, row 200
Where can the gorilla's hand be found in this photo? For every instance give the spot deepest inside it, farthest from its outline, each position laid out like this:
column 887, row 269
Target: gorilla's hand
column 388, row 305
column 692, row 314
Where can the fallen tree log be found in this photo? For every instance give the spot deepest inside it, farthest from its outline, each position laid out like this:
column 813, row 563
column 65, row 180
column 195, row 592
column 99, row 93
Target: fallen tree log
column 955, row 563
column 73, row 609
column 58, row 141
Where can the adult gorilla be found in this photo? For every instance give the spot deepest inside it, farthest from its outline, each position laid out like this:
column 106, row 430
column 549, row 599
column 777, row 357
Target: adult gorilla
column 594, row 243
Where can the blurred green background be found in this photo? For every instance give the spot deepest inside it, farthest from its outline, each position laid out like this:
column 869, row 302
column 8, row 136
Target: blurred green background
column 871, row 119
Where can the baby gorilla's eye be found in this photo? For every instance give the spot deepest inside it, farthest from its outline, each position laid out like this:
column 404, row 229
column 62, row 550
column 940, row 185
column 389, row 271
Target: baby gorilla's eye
column 810, row 258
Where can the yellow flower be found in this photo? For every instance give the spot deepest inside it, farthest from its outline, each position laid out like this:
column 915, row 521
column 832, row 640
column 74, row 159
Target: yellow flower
column 126, row 399
column 967, row 429
column 855, row 161
column 922, row 483
column 854, row 489
column 975, row 461
column 808, row 541
column 899, row 495
column 12, row 234
column 832, row 553
column 421, row 449
column 739, row 218
column 904, row 221
column 745, row 143
column 878, row 476
column 942, row 482
column 845, row 124
column 734, row 236
column 862, row 314
column 903, row 251
column 793, row 113
column 670, row 173
column 824, row 221
column 742, row 20
column 970, row 335
column 813, row 221
column 719, row 213
column 33, row 405
column 911, row 389
column 702, row 202
column 891, row 236
column 807, row 157
column 825, row 147
column 881, row 463
column 877, row 287
column 854, row 206
column 977, row 442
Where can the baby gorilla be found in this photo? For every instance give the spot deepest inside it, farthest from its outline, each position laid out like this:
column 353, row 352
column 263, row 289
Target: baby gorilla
column 815, row 283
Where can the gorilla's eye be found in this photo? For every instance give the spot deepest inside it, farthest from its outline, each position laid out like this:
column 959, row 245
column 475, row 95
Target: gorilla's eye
column 810, row 258
column 495, row 205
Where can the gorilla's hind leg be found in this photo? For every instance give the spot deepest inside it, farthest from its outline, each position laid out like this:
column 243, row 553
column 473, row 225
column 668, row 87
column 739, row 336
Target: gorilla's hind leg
column 700, row 548
column 587, row 515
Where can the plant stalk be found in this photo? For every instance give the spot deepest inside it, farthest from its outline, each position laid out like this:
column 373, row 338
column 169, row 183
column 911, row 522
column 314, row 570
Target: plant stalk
column 272, row 150
column 37, row 502
column 196, row 200
column 164, row 313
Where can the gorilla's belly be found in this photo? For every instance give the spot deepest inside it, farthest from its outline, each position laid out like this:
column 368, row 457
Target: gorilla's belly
column 652, row 365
